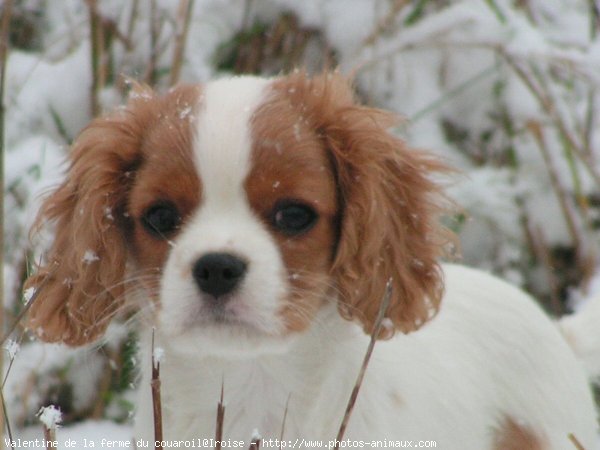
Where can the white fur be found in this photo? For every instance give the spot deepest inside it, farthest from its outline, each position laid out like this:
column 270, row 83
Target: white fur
column 489, row 354
column 582, row 332
column 224, row 222
column 223, row 141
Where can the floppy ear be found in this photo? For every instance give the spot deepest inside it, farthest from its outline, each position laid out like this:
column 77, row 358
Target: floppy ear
column 81, row 282
column 389, row 209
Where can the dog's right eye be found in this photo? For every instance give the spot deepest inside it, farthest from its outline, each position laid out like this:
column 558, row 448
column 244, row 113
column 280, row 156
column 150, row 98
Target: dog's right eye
column 161, row 219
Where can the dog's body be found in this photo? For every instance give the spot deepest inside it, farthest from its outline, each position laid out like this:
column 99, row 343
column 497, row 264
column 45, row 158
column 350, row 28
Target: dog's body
column 263, row 219
column 514, row 382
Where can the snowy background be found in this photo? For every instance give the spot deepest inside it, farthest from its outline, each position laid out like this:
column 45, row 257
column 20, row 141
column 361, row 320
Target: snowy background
column 506, row 91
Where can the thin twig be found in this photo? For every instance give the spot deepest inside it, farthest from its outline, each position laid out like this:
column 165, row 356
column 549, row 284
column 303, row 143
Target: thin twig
column 104, row 386
column 50, row 417
column 374, row 335
column 4, row 39
column 563, row 199
column 547, row 104
column 568, row 148
column 6, row 419
column 500, row 16
column 220, row 418
column 29, row 304
column 575, row 442
column 184, row 14
column 132, row 20
column 540, row 249
column 455, row 91
column 594, row 19
column 544, row 99
column 246, row 15
column 254, row 444
column 285, row 412
column 588, row 127
column 10, row 364
column 49, row 437
column 156, row 404
column 97, row 55
column 150, row 77
column 385, row 23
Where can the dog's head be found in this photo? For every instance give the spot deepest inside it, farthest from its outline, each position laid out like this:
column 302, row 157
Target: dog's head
column 240, row 208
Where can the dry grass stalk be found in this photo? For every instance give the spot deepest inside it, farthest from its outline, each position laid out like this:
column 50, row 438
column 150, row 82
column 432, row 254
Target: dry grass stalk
column 588, row 126
column 585, row 253
column 254, row 444
column 10, row 364
column 156, row 404
column 28, row 305
column 547, row 104
column 150, row 77
column 97, row 56
column 220, row 419
column 104, row 386
column 575, row 442
column 132, row 20
column 537, row 132
column 374, row 335
column 4, row 39
column 49, row 437
column 6, row 420
column 285, row 412
column 246, row 15
column 540, row 249
column 184, row 14
column 384, row 25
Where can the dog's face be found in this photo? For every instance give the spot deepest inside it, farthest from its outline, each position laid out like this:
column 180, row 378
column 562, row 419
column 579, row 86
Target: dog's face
column 248, row 254
column 238, row 209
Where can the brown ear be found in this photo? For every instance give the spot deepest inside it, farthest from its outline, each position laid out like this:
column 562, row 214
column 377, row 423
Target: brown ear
column 81, row 282
column 389, row 209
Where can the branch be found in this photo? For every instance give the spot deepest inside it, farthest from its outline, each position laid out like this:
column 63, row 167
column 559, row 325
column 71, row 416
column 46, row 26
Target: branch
column 376, row 331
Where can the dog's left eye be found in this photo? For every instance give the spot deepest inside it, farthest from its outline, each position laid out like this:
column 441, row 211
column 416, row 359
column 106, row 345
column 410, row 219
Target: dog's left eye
column 161, row 219
column 293, row 218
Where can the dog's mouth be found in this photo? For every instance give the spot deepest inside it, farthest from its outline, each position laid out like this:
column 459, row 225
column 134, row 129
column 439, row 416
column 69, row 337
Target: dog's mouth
column 221, row 316
column 227, row 315
column 234, row 330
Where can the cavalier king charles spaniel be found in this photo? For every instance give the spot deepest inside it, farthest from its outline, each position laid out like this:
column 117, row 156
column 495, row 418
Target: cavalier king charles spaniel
column 254, row 224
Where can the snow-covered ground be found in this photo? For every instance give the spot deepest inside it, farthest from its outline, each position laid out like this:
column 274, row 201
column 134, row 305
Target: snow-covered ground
column 90, row 434
column 508, row 94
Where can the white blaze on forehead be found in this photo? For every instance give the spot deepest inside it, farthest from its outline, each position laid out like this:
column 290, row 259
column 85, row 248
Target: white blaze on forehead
column 224, row 222
column 223, row 143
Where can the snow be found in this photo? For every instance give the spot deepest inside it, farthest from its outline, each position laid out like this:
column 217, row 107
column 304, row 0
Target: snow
column 50, row 416
column 446, row 73
column 96, row 434
column 159, row 356
column 28, row 294
column 90, row 256
column 256, row 436
column 12, row 348
column 387, row 324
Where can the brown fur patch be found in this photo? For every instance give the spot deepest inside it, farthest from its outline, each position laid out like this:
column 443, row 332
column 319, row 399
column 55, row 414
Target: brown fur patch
column 166, row 173
column 387, row 208
column 289, row 162
column 84, row 273
column 514, row 436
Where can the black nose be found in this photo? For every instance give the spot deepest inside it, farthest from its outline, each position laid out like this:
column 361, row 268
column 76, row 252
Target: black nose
column 218, row 274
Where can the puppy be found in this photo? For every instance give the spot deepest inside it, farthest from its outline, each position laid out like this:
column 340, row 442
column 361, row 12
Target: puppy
column 257, row 222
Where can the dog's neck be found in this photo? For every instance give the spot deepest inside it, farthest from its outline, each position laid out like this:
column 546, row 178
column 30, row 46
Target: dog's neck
column 258, row 388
